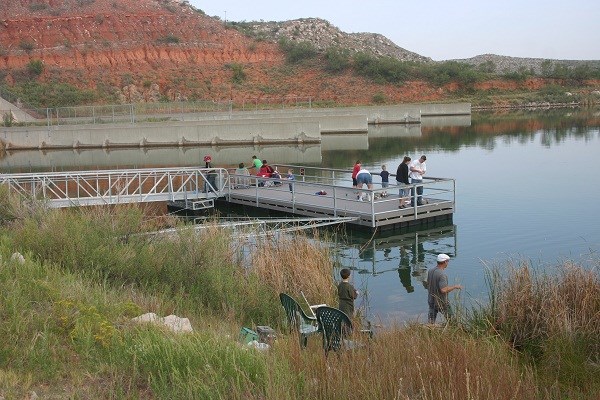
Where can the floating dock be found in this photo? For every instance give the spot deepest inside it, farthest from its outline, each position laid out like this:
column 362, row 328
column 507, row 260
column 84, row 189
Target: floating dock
column 328, row 193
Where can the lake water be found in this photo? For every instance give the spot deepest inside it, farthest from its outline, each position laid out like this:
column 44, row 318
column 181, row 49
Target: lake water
column 527, row 189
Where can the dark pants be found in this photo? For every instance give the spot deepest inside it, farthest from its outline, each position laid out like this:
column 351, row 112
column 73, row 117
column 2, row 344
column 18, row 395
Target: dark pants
column 419, row 192
column 435, row 308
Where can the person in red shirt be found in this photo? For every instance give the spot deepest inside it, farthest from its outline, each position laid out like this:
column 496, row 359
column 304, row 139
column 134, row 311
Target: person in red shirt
column 355, row 170
column 266, row 170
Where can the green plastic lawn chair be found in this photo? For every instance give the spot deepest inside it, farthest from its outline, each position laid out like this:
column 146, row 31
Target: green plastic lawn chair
column 298, row 320
column 335, row 325
column 337, row 328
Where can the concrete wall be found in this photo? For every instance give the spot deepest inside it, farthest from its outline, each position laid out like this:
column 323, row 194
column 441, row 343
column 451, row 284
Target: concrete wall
column 65, row 160
column 398, row 113
column 160, row 134
column 18, row 114
column 238, row 127
column 330, row 123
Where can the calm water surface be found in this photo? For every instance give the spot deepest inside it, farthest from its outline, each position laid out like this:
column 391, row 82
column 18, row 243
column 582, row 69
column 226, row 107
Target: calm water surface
column 528, row 186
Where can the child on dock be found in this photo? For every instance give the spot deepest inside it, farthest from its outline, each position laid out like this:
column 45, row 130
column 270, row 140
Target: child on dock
column 385, row 179
column 291, row 178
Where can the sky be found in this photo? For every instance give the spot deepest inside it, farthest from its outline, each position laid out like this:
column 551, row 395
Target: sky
column 444, row 30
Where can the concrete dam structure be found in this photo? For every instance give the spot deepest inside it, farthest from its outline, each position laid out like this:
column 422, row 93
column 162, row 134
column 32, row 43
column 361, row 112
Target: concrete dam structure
column 287, row 126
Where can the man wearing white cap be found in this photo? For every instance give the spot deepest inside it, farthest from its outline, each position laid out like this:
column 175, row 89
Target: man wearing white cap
column 438, row 289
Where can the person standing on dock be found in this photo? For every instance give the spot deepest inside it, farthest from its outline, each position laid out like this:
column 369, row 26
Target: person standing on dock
column 403, row 182
column 211, row 175
column 385, row 179
column 241, row 173
column 438, row 289
column 355, row 170
column 291, row 178
column 417, row 170
column 256, row 163
column 363, row 177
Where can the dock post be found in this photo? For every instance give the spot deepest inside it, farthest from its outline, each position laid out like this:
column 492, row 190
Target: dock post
column 334, row 202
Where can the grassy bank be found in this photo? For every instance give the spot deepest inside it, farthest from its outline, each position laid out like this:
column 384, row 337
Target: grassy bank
column 66, row 326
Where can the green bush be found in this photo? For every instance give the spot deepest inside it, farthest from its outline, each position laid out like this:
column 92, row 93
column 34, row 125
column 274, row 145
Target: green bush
column 239, row 76
column 379, row 98
column 38, row 6
column 452, row 71
column 297, row 52
column 35, row 67
column 337, row 59
column 520, row 75
column 7, row 119
column 382, row 70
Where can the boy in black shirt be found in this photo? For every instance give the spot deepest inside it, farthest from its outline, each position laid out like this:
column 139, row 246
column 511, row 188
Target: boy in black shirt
column 346, row 293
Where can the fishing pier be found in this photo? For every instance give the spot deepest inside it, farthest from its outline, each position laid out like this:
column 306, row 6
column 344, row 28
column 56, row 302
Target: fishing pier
column 316, row 192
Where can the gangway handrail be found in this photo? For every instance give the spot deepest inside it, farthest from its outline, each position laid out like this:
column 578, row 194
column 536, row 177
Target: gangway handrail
column 100, row 187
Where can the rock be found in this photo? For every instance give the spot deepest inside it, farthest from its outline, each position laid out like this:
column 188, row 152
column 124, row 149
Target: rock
column 177, row 324
column 173, row 322
column 148, row 317
column 18, row 258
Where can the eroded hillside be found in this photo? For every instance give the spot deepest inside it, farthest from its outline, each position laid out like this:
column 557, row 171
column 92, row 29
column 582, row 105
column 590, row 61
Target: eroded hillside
column 151, row 50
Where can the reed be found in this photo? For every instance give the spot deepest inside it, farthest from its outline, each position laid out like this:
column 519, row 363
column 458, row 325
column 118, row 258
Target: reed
column 294, row 264
column 551, row 317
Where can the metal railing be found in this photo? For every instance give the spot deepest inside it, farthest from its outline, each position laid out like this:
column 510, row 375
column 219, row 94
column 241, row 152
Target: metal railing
column 85, row 188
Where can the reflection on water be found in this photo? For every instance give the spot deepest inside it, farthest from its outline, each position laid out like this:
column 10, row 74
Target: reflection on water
column 396, row 266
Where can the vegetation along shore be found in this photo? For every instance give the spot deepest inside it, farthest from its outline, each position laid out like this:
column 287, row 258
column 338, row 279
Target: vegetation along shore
column 67, row 306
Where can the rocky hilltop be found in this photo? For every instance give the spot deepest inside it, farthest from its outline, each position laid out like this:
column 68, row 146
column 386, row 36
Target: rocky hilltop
column 503, row 64
column 324, row 35
column 152, row 50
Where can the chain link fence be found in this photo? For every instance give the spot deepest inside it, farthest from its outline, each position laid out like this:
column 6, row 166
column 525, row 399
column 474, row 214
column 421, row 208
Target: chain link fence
column 140, row 112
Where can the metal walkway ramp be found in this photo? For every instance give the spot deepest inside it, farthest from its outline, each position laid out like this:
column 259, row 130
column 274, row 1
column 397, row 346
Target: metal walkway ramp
column 196, row 187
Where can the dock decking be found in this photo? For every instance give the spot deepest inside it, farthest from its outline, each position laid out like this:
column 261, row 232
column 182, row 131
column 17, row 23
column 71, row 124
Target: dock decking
column 341, row 200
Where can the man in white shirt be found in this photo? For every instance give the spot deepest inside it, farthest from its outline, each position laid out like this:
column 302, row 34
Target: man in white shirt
column 417, row 169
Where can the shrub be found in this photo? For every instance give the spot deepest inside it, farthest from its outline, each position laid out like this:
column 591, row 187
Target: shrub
column 452, row 71
column 382, row 70
column 7, row 119
column 520, row 75
column 337, row 60
column 170, row 38
column 43, row 95
column 26, row 45
column 297, row 52
column 35, row 67
column 239, row 76
column 379, row 98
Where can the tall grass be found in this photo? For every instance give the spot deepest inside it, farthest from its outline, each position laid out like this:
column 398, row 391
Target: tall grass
column 295, row 264
column 67, row 333
column 412, row 363
column 552, row 318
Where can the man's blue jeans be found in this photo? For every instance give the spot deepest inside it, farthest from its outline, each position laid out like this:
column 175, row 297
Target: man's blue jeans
column 419, row 192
